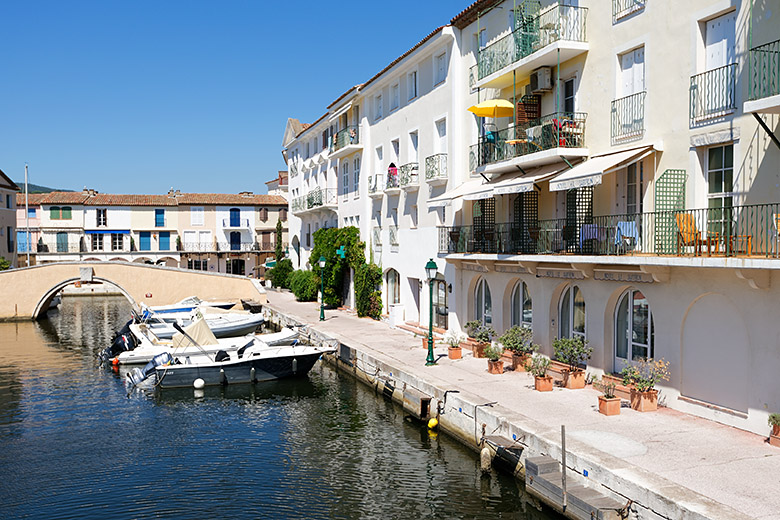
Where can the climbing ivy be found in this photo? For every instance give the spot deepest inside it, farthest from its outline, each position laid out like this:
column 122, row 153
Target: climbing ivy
column 326, row 243
column 368, row 295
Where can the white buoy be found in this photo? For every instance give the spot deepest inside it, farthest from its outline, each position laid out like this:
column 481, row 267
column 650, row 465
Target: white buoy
column 199, row 394
column 198, row 384
column 485, row 460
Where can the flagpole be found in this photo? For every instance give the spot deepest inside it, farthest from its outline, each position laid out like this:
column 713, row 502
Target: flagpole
column 27, row 213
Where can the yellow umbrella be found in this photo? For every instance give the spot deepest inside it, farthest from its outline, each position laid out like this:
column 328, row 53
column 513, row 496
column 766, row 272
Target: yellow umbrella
column 493, row 108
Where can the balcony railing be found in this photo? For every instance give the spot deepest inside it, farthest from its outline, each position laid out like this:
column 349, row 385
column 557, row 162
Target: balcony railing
column 713, row 93
column 298, row 204
column 235, row 223
column 558, row 130
column 321, row 197
column 559, row 22
column 747, row 231
column 345, row 137
column 408, row 175
column 376, row 184
column 436, row 167
column 623, row 8
column 376, row 236
column 293, row 169
column 628, row 117
column 473, row 75
column 393, row 232
column 393, row 181
column 764, row 70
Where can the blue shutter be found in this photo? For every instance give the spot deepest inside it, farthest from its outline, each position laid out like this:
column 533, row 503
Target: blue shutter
column 165, row 240
column 145, row 241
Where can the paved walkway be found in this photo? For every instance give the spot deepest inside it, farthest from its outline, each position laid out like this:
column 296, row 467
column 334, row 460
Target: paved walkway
column 729, row 466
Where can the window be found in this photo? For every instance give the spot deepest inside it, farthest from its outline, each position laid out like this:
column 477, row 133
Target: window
column 345, row 178
column 62, row 242
column 117, row 242
column 204, row 241
column 196, row 216
column 283, row 214
column 634, row 328
column 568, row 96
column 396, row 149
column 264, row 214
column 101, row 217
column 413, row 214
column 198, row 265
column 66, row 213
column 31, row 213
column 411, row 85
column 393, row 287
column 97, row 242
column 145, row 241
column 235, row 217
column 571, row 315
column 8, row 201
column 159, row 218
column 483, row 305
column 356, row 176
column 521, row 306
column 635, row 180
column 441, row 68
column 720, row 189
column 632, row 72
column 378, row 107
column 55, row 213
column 165, row 241
column 395, row 96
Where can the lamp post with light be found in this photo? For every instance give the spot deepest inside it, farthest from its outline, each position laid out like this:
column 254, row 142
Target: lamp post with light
column 430, row 271
column 322, row 288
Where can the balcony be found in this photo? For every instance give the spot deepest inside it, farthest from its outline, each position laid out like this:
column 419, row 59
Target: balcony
column 376, row 186
column 541, row 141
column 376, row 236
column 345, row 142
column 535, row 42
column 392, row 185
column 623, row 8
column 764, row 79
column 321, row 198
column 628, row 118
column 235, row 223
column 298, row 204
column 738, row 231
column 408, row 176
column 293, row 169
column 436, row 169
column 393, row 235
column 713, row 94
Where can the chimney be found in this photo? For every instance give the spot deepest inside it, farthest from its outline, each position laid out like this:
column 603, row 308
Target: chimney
column 246, row 193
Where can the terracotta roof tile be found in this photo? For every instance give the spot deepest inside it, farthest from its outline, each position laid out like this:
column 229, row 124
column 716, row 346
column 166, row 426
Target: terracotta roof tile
column 306, row 126
column 33, row 199
column 64, row 197
column 468, row 15
column 230, row 199
column 107, row 199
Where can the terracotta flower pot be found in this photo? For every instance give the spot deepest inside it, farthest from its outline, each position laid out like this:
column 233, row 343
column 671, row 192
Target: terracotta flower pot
column 519, row 361
column 574, row 380
column 543, row 384
column 479, row 349
column 495, row 367
column 776, row 430
column 425, row 342
column 609, row 406
column 454, row 352
column 644, row 401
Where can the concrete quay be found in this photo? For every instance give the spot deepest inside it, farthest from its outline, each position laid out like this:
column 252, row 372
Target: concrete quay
column 663, row 464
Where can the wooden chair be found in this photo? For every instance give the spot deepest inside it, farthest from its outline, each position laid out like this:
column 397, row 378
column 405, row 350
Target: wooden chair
column 776, row 221
column 689, row 235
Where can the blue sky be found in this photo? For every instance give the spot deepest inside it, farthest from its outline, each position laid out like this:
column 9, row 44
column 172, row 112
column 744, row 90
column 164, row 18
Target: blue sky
column 142, row 96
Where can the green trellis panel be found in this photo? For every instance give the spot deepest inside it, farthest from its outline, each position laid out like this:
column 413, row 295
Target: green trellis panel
column 669, row 197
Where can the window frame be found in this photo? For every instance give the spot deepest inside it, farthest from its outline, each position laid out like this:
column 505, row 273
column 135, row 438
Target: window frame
column 412, row 85
column 519, row 305
column 571, row 332
column 483, row 302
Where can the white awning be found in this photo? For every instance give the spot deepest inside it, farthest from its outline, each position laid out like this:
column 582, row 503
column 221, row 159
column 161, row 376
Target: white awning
column 589, row 173
column 518, row 183
column 445, row 199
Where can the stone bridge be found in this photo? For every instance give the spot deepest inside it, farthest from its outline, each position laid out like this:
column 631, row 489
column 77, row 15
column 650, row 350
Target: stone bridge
column 26, row 293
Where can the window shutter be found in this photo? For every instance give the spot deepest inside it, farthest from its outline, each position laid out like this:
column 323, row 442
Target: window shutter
column 66, row 213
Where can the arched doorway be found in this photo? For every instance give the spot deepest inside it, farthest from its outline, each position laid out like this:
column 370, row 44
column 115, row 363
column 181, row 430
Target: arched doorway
column 571, row 313
column 634, row 329
column 522, row 311
column 483, row 303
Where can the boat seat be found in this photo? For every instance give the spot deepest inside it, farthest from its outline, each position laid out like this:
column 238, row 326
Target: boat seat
column 222, row 356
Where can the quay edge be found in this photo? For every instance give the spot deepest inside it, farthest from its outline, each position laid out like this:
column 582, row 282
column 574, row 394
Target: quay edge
column 463, row 414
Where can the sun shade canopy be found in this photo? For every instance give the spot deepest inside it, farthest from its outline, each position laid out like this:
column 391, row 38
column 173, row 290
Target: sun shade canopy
column 589, row 173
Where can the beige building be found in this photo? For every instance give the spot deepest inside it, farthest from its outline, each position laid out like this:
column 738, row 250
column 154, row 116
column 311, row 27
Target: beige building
column 8, row 190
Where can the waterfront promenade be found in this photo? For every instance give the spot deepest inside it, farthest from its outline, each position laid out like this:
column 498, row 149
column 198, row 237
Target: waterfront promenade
column 690, row 464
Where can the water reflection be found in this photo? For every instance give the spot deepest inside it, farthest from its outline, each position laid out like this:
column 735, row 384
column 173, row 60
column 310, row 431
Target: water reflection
column 321, row 447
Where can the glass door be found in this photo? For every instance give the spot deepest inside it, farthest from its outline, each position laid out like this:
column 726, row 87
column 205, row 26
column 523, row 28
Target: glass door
column 440, row 311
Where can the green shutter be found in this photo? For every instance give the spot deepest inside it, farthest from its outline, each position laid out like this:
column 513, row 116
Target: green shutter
column 66, row 213
column 54, row 213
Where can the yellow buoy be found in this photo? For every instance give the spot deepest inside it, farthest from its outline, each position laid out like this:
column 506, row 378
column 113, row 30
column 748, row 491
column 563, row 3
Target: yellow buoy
column 433, row 423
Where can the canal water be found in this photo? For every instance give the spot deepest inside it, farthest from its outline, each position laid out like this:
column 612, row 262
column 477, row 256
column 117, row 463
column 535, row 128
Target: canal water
column 72, row 445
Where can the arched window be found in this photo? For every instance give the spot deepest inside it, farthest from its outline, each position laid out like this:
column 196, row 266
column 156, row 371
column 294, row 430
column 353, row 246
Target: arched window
column 483, row 305
column 634, row 328
column 521, row 305
column 571, row 322
column 393, row 287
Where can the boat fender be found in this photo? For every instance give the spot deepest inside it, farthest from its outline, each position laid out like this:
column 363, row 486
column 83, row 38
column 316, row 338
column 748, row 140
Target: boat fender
column 485, row 459
column 198, row 384
column 252, row 376
column 433, row 423
column 295, row 365
column 222, row 376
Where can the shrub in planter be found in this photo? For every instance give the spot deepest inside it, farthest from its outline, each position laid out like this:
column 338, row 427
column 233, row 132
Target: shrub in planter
column 537, row 366
column 774, row 422
column 518, row 340
column 482, row 334
column 574, row 352
column 304, row 284
column 453, row 338
column 609, row 404
column 493, row 352
column 280, row 275
column 643, row 375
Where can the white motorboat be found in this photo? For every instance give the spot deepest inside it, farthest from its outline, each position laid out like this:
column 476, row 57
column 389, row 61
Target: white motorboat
column 222, row 324
column 189, row 304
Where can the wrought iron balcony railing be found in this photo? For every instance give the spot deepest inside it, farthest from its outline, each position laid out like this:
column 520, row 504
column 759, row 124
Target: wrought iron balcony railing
column 376, row 236
column 746, row 231
column 764, row 70
column 392, row 179
column 558, row 130
column 393, row 232
column 628, row 117
column 345, row 137
column 298, row 204
column 376, row 184
column 713, row 93
column 623, row 8
column 436, row 167
column 533, row 32
column 408, row 175
column 235, row 223
column 293, row 169
column 321, row 197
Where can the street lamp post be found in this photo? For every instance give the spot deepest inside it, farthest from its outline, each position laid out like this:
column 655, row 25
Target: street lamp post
column 322, row 288
column 430, row 271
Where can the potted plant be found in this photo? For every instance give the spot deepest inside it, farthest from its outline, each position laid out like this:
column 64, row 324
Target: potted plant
column 454, row 339
column 518, row 340
column 573, row 352
column 774, row 422
column 537, row 366
column 643, row 375
column 481, row 335
column 493, row 353
column 609, row 404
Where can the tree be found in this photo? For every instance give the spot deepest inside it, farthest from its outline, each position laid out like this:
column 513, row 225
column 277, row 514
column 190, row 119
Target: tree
column 279, row 251
column 4, row 264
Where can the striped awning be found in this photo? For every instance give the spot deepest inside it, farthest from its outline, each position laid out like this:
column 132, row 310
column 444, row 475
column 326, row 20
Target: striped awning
column 589, row 173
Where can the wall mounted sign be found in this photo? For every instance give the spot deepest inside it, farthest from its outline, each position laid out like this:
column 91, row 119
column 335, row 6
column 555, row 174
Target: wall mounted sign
column 623, row 276
column 566, row 274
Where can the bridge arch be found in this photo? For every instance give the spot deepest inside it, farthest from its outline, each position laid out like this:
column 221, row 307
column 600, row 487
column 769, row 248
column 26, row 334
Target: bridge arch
column 45, row 301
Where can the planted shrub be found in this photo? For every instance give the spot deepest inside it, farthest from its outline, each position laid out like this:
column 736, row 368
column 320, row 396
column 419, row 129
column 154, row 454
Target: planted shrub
column 538, row 365
column 493, row 351
column 645, row 373
column 368, row 296
column 572, row 351
column 304, row 285
column 518, row 340
column 280, row 275
column 480, row 332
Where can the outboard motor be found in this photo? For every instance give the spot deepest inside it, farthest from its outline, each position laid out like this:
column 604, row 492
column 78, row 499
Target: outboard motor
column 123, row 341
column 137, row 375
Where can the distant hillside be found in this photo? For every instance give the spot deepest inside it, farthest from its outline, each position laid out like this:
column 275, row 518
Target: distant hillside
column 34, row 188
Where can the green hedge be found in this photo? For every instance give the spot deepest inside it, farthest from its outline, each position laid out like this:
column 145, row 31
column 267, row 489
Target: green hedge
column 304, row 285
column 280, row 275
column 326, row 243
column 368, row 294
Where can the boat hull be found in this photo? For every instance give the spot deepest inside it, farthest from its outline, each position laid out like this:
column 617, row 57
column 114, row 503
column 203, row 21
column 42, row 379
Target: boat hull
column 220, row 330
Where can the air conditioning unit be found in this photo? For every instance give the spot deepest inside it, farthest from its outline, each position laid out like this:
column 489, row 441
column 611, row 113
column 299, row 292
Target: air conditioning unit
column 541, row 80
